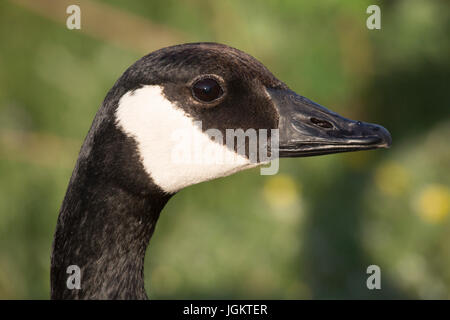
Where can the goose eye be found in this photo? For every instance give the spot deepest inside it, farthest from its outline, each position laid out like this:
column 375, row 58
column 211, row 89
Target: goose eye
column 206, row 90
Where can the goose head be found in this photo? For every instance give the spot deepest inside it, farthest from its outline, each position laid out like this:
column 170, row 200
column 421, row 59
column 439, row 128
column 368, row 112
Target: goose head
column 179, row 104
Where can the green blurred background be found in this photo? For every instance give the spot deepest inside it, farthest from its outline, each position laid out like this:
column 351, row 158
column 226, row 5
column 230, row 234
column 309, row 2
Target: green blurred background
column 309, row 232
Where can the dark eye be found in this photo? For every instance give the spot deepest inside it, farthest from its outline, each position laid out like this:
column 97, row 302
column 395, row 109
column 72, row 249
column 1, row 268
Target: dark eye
column 206, row 90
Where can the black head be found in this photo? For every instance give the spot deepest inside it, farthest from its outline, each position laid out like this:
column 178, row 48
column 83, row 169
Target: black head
column 225, row 88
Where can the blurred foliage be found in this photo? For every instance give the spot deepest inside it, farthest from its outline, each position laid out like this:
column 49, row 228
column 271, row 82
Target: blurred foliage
column 310, row 231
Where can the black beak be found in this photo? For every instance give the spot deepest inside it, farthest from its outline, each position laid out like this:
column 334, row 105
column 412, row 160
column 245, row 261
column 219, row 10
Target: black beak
column 308, row 129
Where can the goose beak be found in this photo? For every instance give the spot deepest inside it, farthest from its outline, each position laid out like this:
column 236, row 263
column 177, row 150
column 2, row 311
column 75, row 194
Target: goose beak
column 308, row 129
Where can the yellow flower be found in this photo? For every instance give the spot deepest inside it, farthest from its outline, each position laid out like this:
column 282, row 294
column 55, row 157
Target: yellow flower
column 433, row 203
column 281, row 191
column 392, row 179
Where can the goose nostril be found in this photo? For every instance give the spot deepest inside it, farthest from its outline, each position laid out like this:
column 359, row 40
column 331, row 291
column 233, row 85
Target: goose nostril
column 321, row 123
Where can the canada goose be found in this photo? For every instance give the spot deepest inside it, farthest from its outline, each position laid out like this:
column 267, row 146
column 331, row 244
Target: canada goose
column 125, row 174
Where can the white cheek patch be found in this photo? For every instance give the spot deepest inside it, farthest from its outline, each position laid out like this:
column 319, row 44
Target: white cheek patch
column 161, row 129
